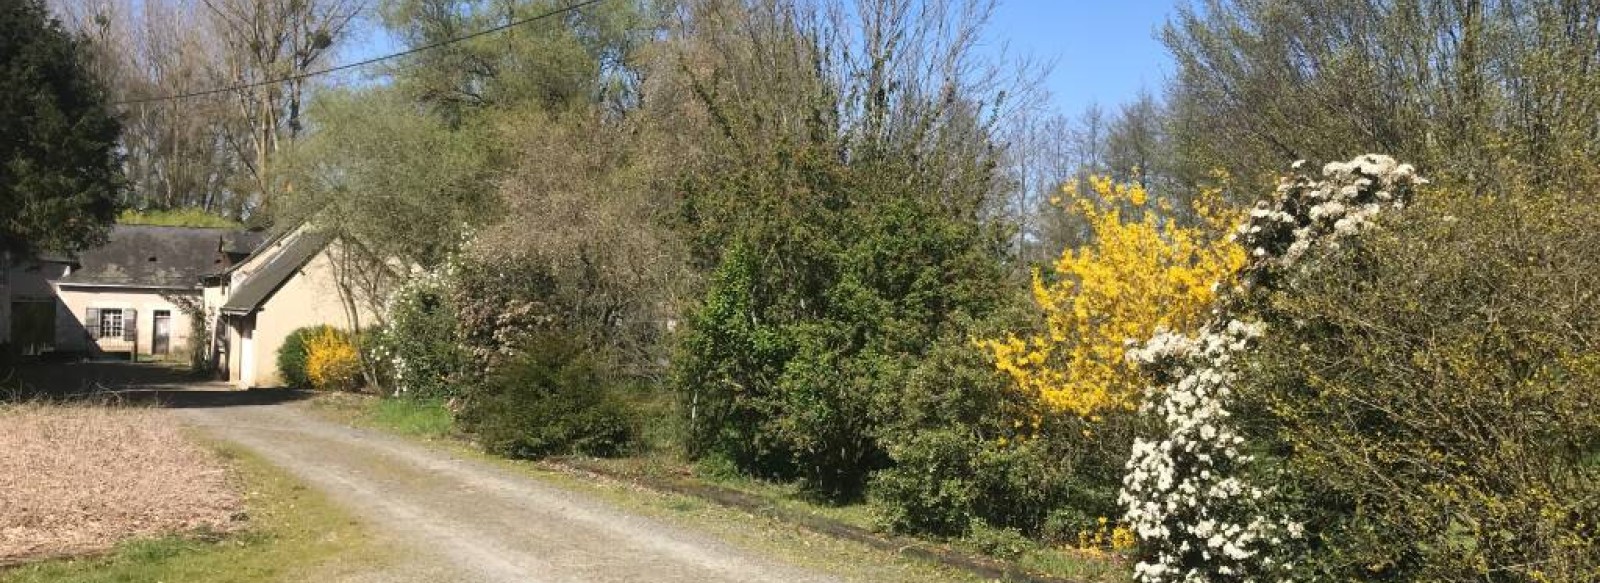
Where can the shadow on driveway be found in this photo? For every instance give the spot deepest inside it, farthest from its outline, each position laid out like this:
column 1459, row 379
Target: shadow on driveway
column 162, row 385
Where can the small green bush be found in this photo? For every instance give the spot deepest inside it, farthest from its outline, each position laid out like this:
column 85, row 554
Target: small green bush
column 1050, row 487
column 553, row 398
column 1005, row 543
column 295, row 354
column 965, row 447
column 931, row 488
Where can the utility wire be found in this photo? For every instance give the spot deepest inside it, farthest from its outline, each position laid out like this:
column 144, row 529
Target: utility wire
column 347, row 66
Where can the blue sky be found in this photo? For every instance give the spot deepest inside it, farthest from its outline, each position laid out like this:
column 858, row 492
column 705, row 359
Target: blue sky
column 1104, row 51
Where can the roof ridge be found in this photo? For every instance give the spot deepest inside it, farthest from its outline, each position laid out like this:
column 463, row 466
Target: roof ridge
column 185, row 227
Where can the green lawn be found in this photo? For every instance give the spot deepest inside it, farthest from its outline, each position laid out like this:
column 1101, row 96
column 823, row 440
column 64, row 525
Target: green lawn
column 427, row 419
column 293, row 534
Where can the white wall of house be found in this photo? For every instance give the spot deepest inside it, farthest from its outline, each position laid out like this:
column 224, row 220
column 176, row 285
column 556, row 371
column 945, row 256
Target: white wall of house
column 250, row 366
column 27, row 282
column 231, row 330
column 76, row 301
column 217, row 345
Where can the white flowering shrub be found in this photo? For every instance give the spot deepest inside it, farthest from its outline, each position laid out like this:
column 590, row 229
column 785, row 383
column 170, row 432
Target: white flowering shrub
column 1190, row 494
column 1305, row 212
column 1186, row 494
column 419, row 347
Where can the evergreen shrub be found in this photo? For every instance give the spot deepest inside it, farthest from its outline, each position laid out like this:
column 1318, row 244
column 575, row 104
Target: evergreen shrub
column 552, row 398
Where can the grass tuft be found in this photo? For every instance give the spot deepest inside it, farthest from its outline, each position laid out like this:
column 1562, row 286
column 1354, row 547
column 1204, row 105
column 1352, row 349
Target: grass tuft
column 184, row 217
column 424, row 418
column 419, row 418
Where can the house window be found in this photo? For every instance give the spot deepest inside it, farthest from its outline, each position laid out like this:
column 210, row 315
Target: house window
column 110, row 324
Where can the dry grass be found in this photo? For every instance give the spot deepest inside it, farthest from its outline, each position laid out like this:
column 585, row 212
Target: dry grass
column 79, row 479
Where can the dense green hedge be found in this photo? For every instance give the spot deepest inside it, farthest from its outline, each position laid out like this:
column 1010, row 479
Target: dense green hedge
column 790, row 371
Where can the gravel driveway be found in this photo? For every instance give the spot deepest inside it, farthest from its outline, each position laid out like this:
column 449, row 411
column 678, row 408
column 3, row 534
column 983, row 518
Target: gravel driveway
column 452, row 519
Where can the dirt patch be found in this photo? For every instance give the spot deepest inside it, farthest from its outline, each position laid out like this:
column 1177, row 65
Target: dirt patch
column 78, row 479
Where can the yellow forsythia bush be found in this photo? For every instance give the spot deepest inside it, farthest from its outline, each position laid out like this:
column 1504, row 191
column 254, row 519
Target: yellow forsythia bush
column 1141, row 271
column 332, row 363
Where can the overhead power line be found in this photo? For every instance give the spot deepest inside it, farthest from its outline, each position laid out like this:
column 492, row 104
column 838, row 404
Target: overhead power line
column 347, row 66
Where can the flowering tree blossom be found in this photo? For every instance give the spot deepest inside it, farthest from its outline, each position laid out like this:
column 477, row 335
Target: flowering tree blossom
column 1187, row 493
column 1143, row 271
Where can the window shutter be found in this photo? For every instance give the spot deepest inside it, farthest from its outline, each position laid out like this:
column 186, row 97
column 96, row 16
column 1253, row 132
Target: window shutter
column 91, row 323
column 130, row 325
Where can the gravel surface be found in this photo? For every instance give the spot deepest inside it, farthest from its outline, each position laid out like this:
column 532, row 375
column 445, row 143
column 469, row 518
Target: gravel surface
column 451, row 519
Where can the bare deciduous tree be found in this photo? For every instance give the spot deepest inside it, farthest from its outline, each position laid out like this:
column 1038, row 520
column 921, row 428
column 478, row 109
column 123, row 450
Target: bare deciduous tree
column 267, row 40
column 1484, row 94
column 177, row 151
column 215, row 152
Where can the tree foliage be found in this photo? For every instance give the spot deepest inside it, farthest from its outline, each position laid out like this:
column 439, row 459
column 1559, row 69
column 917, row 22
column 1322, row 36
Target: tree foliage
column 383, row 172
column 584, row 210
column 586, row 57
column 840, row 211
column 217, row 150
column 1430, row 394
column 495, row 175
column 60, row 171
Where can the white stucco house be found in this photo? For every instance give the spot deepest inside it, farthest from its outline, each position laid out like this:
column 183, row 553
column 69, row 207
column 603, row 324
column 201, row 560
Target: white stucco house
column 135, row 296
column 290, row 282
column 124, row 298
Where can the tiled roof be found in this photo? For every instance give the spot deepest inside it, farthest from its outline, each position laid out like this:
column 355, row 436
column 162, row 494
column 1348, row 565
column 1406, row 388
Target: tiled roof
column 151, row 257
column 259, row 286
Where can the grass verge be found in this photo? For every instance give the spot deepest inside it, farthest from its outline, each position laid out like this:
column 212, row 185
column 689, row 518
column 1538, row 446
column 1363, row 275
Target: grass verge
column 293, row 534
column 426, row 419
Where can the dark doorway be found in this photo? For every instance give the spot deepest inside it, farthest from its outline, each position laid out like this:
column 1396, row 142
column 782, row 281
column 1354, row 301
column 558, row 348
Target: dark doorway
column 33, row 326
column 161, row 333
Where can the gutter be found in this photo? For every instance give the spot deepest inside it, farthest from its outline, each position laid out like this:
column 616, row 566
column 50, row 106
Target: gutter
column 130, row 286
